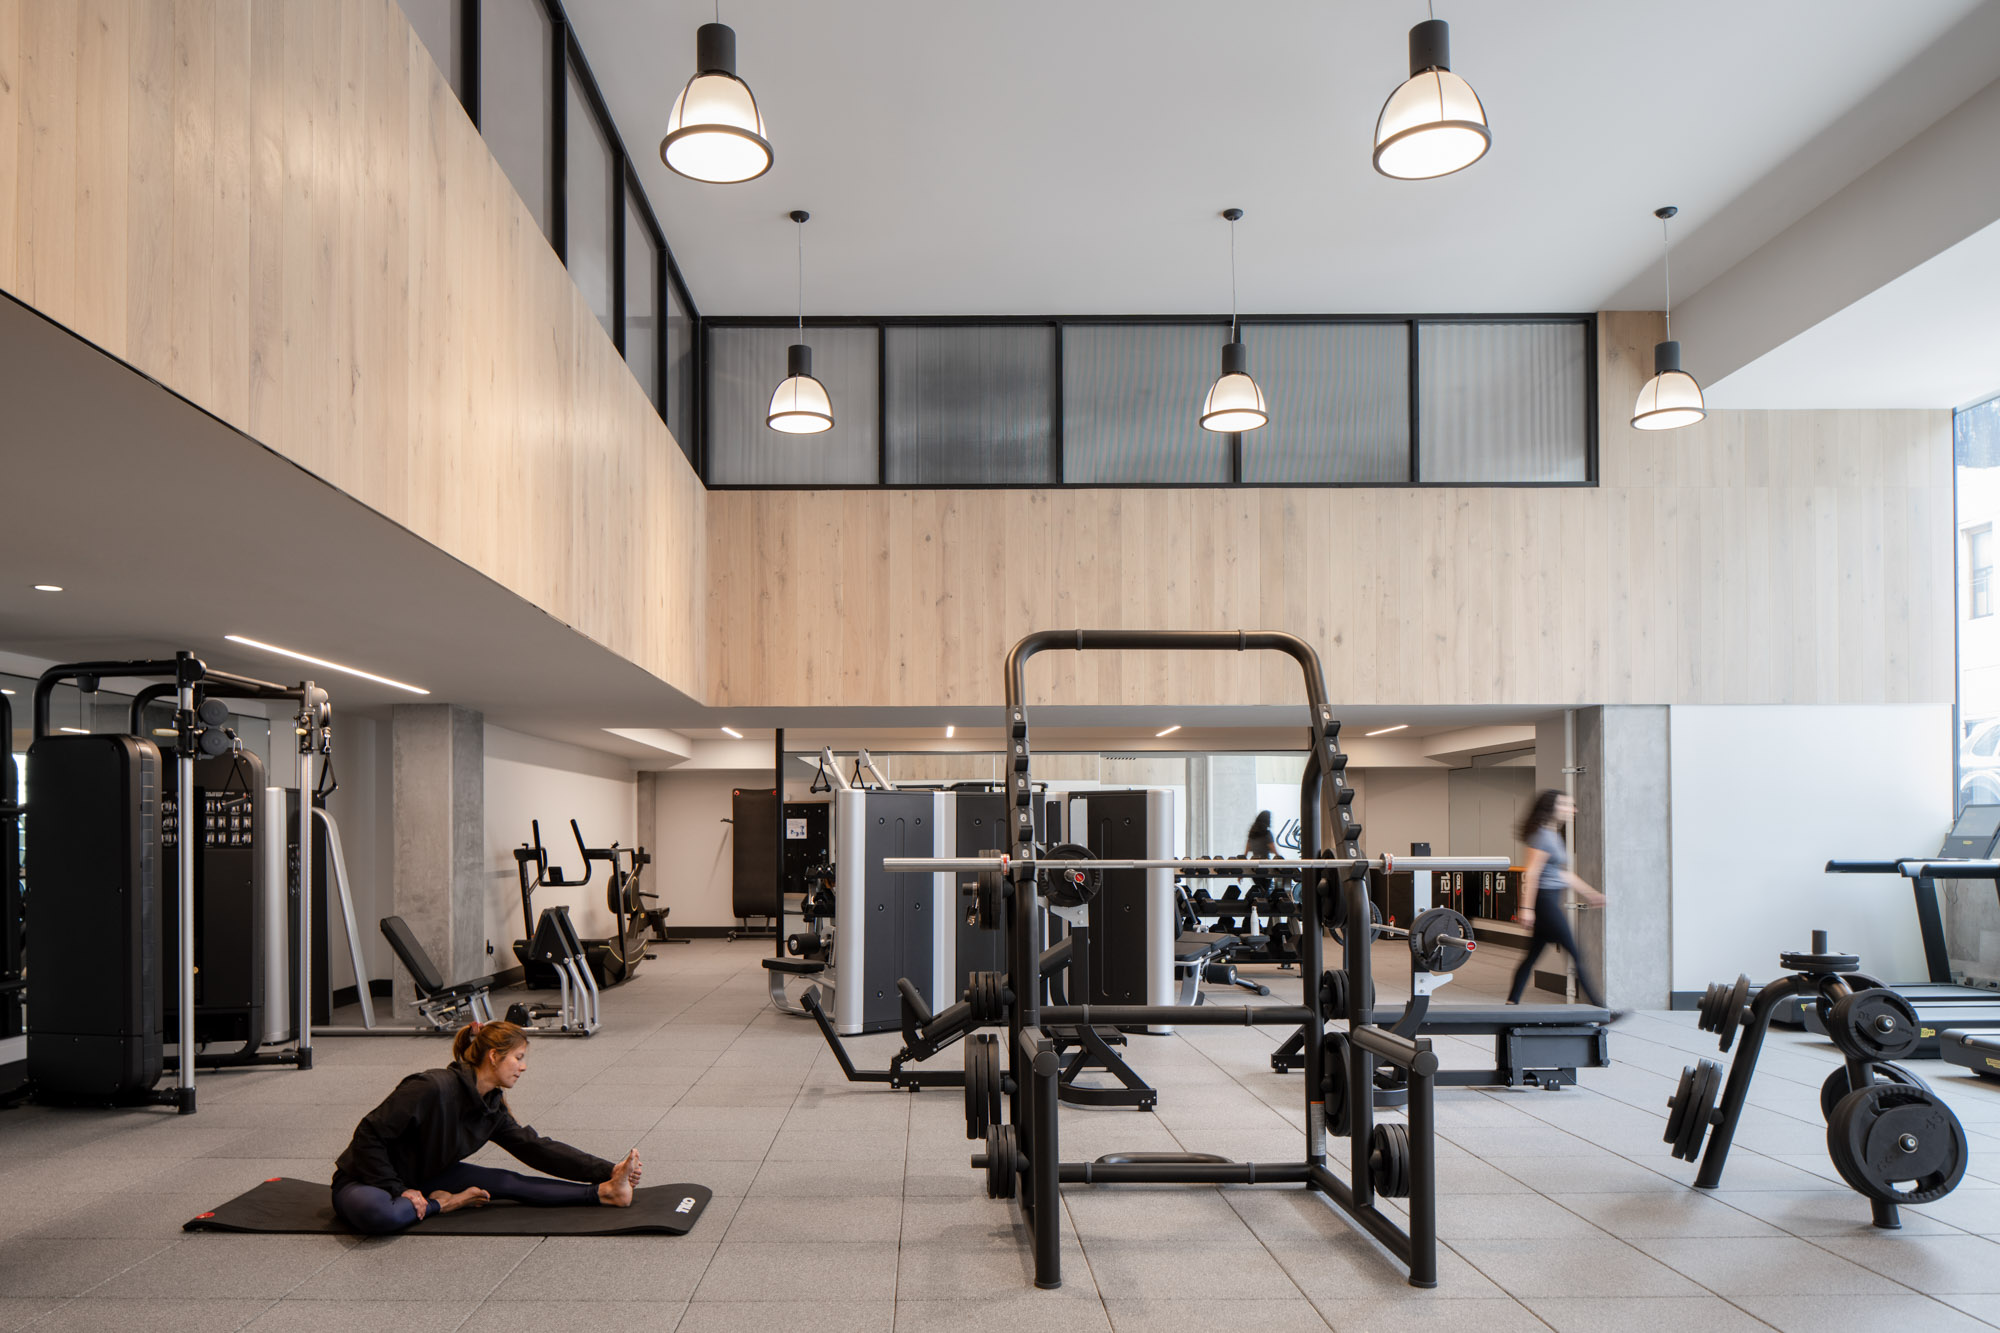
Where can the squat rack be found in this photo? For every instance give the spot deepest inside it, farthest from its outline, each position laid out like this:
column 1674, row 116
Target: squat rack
column 1337, row 893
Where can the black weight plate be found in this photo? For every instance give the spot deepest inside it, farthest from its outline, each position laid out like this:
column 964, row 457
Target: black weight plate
column 1389, row 1160
column 1888, row 1135
column 982, row 1083
column 1873, row 1025
column 1837, row 1086
column 1001, row 1162
column 1691, row 1109
column 1377, row 928
column 1428, row 932
column 1819, row 964
column 1729, row 1015
column 1708, row 1014
column 1854, row 981
column 1333, row 1081
column 1332, row 996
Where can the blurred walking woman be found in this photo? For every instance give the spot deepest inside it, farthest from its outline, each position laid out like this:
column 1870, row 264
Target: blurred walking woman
column 407, row 1160
column 1548, row 871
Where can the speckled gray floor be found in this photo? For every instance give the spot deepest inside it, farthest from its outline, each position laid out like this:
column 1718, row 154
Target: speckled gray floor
column 850, row 1207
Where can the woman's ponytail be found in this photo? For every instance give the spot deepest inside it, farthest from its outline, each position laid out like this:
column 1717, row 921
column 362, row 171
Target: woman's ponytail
column 475, row 1043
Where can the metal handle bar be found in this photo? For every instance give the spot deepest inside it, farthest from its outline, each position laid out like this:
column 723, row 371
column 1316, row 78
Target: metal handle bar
column 925, row 865
column 1913, row 867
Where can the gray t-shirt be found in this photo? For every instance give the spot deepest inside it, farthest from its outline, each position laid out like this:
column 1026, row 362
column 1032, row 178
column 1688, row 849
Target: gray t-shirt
column 1547, row 840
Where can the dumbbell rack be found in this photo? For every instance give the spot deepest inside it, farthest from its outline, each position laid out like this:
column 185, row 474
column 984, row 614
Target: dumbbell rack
column 1884, row 1125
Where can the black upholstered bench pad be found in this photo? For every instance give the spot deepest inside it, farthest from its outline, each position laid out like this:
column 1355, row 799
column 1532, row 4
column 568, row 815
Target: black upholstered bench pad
column 288, row 1205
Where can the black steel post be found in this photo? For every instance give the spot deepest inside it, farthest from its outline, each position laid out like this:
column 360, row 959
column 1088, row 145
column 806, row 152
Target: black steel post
column 1045, row 1170
column 1423, row 1176
column 778, row 875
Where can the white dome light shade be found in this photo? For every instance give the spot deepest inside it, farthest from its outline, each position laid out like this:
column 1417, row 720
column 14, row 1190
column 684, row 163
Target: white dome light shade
column 1434, row 123
column 801, row 405
column 1671, row 399
column 1234, row 401
column 715, row 132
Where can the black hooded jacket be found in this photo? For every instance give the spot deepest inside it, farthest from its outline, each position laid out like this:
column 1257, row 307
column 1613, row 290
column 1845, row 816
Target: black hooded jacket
column 437, row 1119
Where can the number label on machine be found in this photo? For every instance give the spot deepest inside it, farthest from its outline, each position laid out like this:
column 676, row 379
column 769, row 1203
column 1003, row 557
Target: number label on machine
column 795, row 830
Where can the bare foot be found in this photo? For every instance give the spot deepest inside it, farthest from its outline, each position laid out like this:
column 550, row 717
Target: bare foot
column 617, row 1191
column 466, row 1198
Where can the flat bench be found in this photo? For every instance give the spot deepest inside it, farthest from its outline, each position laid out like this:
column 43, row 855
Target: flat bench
column 1539, row 1044
column 780, row 968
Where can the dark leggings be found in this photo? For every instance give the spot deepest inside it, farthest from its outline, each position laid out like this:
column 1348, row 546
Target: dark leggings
column 374, row 1210
column 1552, row 927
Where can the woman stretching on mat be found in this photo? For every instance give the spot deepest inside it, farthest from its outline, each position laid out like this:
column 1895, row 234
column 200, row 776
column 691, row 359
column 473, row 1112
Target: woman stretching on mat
column 407, row 1160
column 1548, row 870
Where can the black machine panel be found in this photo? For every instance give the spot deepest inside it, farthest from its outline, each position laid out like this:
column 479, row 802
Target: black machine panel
column 12, row 960
column 1974, row 832
column 808, row 840
column 983, row 828
column 898, row 939
column 228, row 899
column 94, row 1028
column 1115, row 829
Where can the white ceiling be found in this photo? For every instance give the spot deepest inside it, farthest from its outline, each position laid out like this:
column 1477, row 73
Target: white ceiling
column 1040, row 157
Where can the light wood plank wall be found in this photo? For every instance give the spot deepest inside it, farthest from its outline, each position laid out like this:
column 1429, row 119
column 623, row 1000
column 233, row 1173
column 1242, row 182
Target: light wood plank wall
column 1760, row 557
column 280, row 211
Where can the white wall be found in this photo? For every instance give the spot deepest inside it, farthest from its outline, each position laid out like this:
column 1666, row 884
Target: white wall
column 1406, row 805
column 361, row 808
column 696, row 842
column 1487, row 807
column 528, row 778
column 1763, row 796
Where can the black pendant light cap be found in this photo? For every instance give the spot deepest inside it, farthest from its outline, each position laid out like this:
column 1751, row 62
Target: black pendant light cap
column 1430, row 46
column 799, row 361
column 1666, row 357
column 1233, row 214
column 1235, row 358
column 799, row 215
column 1664, row 213
column 715, row 49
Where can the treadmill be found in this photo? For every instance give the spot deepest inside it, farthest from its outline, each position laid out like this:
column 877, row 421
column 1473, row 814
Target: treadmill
column 1941, row 1003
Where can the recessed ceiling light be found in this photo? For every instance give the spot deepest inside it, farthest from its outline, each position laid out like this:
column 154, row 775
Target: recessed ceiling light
column 1400, row 726
column 734, row 732
column 321, row 661
column 1168, row 732
column 48, row 587
column 950, row 732
column 74, row 731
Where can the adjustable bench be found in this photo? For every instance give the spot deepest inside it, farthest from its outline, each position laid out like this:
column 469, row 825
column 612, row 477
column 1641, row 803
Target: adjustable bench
column 441, row 1008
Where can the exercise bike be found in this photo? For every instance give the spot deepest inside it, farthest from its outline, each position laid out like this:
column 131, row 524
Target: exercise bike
column 610, row 960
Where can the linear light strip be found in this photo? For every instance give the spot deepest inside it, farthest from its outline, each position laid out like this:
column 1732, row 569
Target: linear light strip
column 734, row 732
column 322, row 662
column 1400, row 726
column 1158, row 735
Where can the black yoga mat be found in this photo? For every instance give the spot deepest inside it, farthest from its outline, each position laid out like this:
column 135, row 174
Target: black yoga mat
column 283, row 1204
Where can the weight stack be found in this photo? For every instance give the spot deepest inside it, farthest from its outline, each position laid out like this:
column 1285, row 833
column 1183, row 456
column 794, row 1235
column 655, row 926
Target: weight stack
column 93, row 919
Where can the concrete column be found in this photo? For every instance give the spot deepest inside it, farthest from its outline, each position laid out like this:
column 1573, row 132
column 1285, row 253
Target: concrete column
column 439, row 819
column 1622, row 847
column 1232, row 803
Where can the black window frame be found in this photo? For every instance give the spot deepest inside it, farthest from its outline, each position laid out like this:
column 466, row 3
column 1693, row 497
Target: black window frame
column 627, row 189
column 1414, row 323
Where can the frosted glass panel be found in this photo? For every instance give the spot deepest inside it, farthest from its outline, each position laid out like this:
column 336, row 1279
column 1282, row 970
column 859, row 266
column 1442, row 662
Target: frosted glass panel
column 972, row 406
column 642, row 299
column 1131, row 402
column 680, row 373
column 745, row 365
column 1503, row 402
column 517, row 95
column 1339, row 399
column 593, row 204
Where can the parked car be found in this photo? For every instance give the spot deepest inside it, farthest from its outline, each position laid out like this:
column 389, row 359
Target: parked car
column 1979, row 764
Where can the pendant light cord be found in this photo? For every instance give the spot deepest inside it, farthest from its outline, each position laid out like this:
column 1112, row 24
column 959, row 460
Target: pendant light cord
column 1667, row 265
column 1232, row 279
column 802, row 281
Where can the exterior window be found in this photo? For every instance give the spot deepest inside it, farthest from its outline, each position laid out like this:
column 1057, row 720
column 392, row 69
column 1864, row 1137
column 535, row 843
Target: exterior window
column 1979, row 569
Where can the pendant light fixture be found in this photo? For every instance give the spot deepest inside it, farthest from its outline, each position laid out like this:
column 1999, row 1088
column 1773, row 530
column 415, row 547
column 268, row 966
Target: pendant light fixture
column 1671, row 399
column 715, row 132
column 801, row 405
column 1234, row 402
column 1433, row 124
